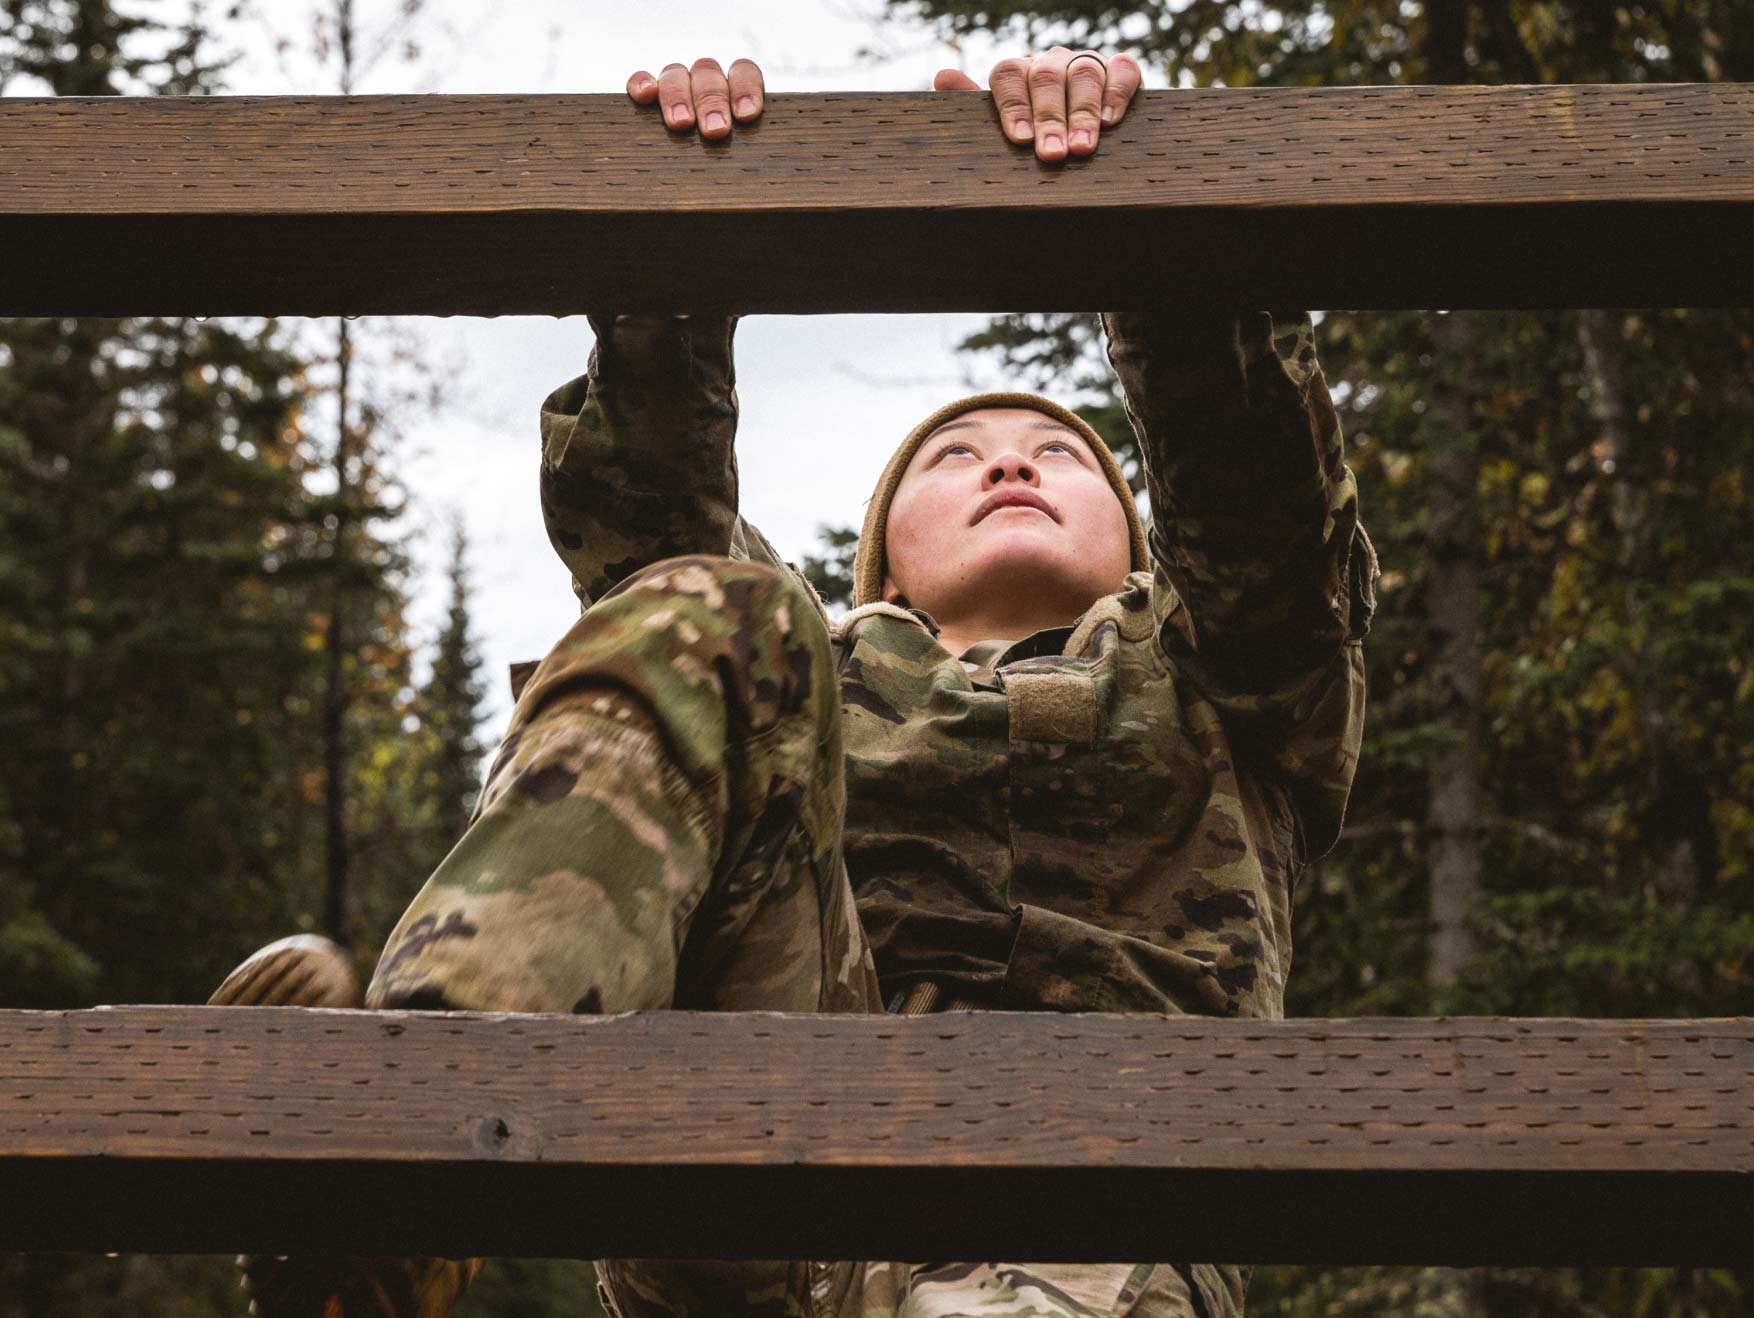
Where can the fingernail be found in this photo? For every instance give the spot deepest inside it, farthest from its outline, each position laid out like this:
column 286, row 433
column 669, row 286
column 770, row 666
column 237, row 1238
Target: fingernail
column 681, row 113
column 1108, row 114
column 1022, row 127
column 746, row 105
column 1081, row 137
column 714, row 121
column 1053, row 142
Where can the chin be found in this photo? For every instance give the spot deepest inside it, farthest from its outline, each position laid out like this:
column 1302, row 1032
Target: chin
column 1019, row 549
column 1023, row 561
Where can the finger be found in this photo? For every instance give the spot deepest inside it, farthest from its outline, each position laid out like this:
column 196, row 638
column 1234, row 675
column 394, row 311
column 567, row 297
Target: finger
column 953, row 80
column 748, row 90
column 712, row 98
column 1047, row 102
column 1084, row 83
column 1009, row 82
column 1125, row 77
column 642, row 87
column 675, row 97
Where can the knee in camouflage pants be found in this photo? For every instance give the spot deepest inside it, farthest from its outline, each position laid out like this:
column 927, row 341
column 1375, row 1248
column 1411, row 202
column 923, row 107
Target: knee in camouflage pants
column 661, row 828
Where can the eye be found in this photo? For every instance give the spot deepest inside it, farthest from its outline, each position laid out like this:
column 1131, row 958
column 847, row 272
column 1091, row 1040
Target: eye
column 950, row 448
column 1061, row 445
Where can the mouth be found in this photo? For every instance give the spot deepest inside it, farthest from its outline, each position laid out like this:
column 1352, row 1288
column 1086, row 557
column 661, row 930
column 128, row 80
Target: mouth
column 1013, row 498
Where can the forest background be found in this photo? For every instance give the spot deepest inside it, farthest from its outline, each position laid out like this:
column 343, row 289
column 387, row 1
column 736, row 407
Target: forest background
column 221, row 719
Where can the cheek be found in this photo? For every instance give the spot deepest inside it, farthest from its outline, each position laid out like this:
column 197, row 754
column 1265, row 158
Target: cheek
column 1103, row 521
column 919, row 531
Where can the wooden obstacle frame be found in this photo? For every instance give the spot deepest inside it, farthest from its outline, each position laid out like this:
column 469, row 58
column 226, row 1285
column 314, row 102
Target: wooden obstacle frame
column 1041, row 1136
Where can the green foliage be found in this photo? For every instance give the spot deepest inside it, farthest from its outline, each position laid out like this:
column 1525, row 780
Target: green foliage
column 151, row 649
column 533, row 1288
column 416, row 769
column 1609, row 503
column 129, row 1286
column 451, row 704
column 173, row 545
column 169, row 562
column 1331, row 42
column 73, row 46
column 831, row 570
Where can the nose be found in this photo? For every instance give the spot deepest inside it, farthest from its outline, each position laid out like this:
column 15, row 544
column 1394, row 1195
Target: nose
column 1012, row 467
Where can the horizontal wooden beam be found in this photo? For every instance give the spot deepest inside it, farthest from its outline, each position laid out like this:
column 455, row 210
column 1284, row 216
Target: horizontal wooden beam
column 983, row 1135
column 489, row 205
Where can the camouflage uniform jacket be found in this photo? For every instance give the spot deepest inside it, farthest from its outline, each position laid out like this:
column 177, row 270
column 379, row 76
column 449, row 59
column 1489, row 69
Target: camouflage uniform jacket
column 1108, row 816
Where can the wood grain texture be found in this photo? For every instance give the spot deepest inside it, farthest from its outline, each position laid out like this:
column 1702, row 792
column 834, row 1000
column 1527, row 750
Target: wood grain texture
column 1327, row 197
column 983, row 1135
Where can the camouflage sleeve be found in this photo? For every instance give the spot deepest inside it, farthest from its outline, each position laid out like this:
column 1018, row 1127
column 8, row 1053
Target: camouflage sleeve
column 637, row 455
column 1254, row 511
column 1264, row 578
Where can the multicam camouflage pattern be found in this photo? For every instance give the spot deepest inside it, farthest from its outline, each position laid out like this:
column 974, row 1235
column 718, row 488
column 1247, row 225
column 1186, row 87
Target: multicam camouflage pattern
column 661, row 826
column 637, row 456
column 640, row 1289
column 1106, row 816
column 1111, row 816
column 1058, row 1290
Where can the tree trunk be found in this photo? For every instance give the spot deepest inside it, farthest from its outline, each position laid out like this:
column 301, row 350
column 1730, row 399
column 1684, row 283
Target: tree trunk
column 1456, row 800
column 1680, row 805
column 1456, row 794
column 1598, row 333
column 1445, row 43
column 335, row 679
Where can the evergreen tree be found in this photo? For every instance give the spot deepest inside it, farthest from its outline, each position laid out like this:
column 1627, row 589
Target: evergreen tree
column 180, row 526
column 357, row 567
column 416, row 779
column 72, row 48
column 1595, row 697
column 831, row 570
column 450, row 708
column 148, row 468
column 363, row 565
column 151, row 657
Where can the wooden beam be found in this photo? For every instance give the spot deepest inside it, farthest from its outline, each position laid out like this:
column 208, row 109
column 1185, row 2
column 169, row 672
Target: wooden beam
column 491, row 205
column 962, row 1136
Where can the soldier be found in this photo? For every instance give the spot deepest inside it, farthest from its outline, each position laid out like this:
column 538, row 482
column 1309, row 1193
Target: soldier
column 1047, row 762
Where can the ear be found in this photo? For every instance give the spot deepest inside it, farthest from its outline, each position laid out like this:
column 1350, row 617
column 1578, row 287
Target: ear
column 892, row 593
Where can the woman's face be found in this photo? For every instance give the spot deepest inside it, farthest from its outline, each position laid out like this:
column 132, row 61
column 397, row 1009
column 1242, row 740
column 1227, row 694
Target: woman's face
column 1004, row 504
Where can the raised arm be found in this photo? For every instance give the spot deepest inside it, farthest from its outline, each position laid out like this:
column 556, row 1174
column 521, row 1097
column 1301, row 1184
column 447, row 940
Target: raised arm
column 1254, row 511
column 637, row 461
column 1265, row 581
column 637, row 458
column 637, row 453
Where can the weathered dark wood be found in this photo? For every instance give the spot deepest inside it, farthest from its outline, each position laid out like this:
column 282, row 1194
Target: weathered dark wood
column 1330, row 197
column 979, row 1136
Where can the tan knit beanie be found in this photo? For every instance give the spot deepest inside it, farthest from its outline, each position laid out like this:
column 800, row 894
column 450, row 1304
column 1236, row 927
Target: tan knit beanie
column 869, row 563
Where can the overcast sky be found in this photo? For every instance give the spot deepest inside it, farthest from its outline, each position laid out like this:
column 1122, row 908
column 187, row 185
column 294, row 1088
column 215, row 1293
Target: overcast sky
column 824, row 398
